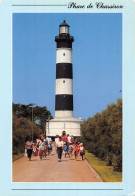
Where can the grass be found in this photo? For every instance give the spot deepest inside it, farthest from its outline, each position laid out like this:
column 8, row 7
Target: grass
column 106, row 172
column 18, row 156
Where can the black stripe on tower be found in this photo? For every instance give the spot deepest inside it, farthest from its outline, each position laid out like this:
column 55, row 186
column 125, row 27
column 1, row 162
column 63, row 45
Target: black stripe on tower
column 64, row 41
column 64, row 44
column 64, row 70
column 64, row 102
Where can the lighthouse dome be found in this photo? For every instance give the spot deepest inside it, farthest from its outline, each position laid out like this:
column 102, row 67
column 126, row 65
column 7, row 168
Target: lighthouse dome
column 64, row 24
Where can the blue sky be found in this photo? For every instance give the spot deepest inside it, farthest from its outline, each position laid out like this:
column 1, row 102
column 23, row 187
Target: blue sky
column 96, row 58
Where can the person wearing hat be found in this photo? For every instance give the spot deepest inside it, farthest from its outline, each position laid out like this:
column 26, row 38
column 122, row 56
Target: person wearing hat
column 60, row 146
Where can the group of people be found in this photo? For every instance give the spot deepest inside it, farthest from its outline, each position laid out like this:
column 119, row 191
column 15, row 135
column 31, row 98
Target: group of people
column 64, row 145
column 42, row 147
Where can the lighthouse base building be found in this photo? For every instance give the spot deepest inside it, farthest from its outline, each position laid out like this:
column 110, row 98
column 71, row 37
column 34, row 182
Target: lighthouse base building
column 60, row 126
column 64, row 122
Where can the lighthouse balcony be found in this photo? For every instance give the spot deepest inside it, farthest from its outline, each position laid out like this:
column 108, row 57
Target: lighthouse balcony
column 64, row 41
column 65, row 37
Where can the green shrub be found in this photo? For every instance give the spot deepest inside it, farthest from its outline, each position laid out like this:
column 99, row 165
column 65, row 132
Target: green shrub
column 102, row 135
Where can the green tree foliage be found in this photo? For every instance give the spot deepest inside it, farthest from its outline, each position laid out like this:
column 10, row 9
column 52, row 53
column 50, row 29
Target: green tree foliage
column 22, row 130
column 102, row 135
column 40, row 114
column 22, row 124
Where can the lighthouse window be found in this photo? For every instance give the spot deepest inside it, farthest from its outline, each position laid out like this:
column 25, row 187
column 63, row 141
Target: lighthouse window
column 63, row 54
column 63, row 81
column 64, row 29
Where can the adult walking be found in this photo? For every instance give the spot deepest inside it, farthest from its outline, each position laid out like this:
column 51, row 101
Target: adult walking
column 76, row 150
column 42, row 148
column 56, row 142
column 64, row 138
column 60, row 148
column 82, row 151
column 28, row 146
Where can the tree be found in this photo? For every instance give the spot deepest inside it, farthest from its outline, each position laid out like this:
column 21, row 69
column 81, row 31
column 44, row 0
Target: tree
column 40, row 114
column 22, row 131
column 102, row 135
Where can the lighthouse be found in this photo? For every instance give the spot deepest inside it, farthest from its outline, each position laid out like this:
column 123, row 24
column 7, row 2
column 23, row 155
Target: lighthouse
column 64, row 73
column 64, row 122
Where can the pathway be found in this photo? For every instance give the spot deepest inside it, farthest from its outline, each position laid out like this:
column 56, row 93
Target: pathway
column 50, row 170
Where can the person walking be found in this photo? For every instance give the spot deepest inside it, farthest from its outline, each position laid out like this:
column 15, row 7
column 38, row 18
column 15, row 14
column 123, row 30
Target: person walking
column 82, row 151
column 37, row 144
column 29, row 147
column 48, row 140
column 64, row 138
column 56, row 142
column 70, row 149
column 42, row 149
column 35, row 151
column 76, row 150
column 60, row 148
column 72, row 139
column 65, row 149
column 69, row 139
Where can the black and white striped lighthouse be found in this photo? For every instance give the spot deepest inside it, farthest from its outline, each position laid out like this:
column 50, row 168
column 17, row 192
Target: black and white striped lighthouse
column 64, row 122
column 64, row 73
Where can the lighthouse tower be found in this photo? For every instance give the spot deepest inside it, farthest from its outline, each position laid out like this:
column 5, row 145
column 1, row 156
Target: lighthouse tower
column 64, row 122
column 64, row 73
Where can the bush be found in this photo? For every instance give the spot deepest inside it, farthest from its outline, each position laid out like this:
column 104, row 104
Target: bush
column 102, row 135
column 117, row 163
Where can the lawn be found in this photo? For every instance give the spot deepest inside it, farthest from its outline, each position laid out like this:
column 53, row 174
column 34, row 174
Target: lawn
column 106, row 172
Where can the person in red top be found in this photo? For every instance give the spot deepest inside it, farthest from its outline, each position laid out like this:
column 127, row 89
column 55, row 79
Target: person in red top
column 78, row 146
column 76, row 150
column 72, row 139
column 64, row 139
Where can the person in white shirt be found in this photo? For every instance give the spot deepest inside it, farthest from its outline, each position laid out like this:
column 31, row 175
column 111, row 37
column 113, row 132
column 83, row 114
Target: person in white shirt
column 56, row 141
column 48, row 140
column 69, row 139
column 60, row 146
column 41, row 148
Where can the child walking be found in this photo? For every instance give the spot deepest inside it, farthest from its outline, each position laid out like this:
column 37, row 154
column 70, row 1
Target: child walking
column 42, row 147
column 65, row 149
column 70, row 148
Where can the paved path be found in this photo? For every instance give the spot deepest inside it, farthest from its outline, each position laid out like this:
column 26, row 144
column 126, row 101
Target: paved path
column 50, row 170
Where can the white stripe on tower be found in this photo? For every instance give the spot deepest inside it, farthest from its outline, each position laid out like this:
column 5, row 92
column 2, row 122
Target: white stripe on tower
column 63, row 55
